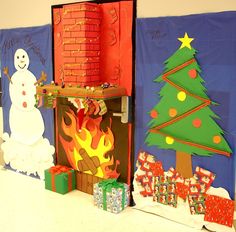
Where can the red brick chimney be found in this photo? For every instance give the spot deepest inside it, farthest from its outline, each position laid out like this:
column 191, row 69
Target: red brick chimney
column 81, row 44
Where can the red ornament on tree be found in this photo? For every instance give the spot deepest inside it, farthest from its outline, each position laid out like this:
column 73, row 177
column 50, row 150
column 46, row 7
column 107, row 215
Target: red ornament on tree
column 192, row 73
column 197, row 122
column 154, row 114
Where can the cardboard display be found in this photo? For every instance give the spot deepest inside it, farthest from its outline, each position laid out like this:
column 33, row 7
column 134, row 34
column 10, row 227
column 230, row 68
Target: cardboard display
column 93, row 69
column 90, row 45
column 26, row 60
column 119, row 164
column 157, row 41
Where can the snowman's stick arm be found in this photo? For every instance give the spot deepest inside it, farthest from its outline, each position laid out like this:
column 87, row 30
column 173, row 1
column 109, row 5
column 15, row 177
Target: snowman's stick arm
column 9, row 78
column 42, row 78
column 5, row 71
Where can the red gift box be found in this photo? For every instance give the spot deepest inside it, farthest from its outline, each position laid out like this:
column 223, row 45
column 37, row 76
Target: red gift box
column 194, row 189
column 219, row 210
column 145, row 161
column 157, row 168
column 146, row 183
column 173, row 174
column 182, row 190
column 205, row 178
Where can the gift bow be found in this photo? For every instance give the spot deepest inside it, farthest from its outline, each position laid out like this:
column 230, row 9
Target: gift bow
column 109, row 184
column 59, row 169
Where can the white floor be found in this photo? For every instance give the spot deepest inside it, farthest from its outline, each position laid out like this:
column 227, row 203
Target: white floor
column 25, row 206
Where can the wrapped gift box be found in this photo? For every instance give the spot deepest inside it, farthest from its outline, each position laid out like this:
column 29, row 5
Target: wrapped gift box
column 144, row 173
column 111, row 195
column 205, row 178
column 196, row 204
column 219, row 210
column 157, row 168
column 164, row 191
column 60, row 179
column 182, row 189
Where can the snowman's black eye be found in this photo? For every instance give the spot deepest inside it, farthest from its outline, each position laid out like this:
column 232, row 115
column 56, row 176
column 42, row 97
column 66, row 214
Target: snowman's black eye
column 23, row 56
column 18, row 57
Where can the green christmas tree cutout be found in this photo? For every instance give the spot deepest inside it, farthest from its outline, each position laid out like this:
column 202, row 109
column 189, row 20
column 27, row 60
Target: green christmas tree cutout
column 182, row 120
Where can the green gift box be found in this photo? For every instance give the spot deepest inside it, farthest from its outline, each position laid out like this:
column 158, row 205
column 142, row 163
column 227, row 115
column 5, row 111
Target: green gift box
column 60, row 179
column 111, row 195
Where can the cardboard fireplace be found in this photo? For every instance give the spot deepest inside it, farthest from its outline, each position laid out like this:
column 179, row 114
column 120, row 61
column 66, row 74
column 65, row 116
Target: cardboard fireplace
column 92, row 89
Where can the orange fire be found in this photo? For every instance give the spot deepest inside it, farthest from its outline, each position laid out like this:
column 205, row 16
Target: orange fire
column 87, row 149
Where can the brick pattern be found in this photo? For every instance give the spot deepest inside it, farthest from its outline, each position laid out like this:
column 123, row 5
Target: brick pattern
column 81, row 43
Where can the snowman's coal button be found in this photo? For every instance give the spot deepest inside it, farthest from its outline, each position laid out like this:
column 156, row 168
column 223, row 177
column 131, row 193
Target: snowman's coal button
column 23, row 92
column 23, row 84
column 24, row 104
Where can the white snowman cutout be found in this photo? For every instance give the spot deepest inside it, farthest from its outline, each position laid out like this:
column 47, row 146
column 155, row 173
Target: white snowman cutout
column 25, row 150
column 26, row 122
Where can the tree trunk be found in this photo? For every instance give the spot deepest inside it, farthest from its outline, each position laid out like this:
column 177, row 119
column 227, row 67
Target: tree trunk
column 184, row 164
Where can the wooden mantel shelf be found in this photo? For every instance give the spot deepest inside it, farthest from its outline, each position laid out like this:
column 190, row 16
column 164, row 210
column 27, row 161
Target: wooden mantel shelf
column 81, row 92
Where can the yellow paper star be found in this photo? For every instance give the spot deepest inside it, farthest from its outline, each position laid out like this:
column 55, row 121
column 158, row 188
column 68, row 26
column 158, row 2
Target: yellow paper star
column 185, row 41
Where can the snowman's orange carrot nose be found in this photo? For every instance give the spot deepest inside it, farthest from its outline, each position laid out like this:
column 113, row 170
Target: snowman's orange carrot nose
column 22, row 61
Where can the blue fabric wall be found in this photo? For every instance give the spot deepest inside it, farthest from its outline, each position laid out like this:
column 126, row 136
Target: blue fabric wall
column 37, row 42
column 215, row 40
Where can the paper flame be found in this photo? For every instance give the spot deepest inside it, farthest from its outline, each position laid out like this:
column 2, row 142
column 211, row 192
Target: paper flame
column 93, row 142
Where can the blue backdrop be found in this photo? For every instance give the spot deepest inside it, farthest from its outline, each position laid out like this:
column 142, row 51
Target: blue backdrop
column 215, row 40
column 36, row 41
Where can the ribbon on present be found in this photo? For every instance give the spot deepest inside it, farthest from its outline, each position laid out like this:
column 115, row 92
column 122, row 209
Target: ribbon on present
column 107, row 186
column 59, row 169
